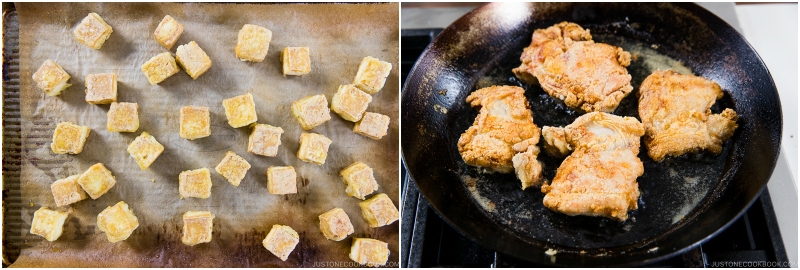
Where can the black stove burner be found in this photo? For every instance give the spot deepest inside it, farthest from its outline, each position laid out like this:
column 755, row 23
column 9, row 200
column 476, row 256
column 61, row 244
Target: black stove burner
column 427, row 241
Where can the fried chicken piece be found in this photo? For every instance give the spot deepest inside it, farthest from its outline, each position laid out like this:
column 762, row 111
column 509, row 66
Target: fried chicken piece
column 676, row 113
column 503, row 127
column 527, row 167
column 599, row 177
column 569, row 66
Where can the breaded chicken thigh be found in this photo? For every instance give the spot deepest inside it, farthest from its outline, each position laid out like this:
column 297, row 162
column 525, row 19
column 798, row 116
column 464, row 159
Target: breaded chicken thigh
column 569, row 66
column 504, row 123
column 599, row 177
column 676, row 113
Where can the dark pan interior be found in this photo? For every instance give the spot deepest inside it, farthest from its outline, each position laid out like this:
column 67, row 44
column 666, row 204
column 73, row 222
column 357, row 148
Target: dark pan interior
column 684, row 200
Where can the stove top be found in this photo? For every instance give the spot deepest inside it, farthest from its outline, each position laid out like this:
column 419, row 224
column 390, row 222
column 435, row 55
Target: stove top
column 753, row 240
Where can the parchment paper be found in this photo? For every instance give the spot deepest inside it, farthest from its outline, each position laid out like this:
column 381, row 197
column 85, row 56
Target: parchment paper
column 338, row 35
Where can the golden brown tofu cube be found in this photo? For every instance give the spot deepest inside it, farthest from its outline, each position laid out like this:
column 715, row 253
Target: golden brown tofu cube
column 195, row 122
column 67, row 191
column 335, row 224
column 240, row 110
column 350, row 103
column 192, row 59
column 168, row 32
column 313, row 148
column 51, row 78
column 281, row 241
column 123, row 117
column 265, row 140
column 93, row 31
column 296, row 61
column 379, row 210
column 159, row 68
column 145, row 149
column 195, row 183
column 233, row 168
column 69, row 138
column 97, row 180
column 253, row 43
column 359, row 179
column 372, row 125
column 101, row 88
column 197, row 227
column 48, row 223
column 372, row 74
column 117, row 221
column 281, row 180
column 311, row 111
column 370, row 252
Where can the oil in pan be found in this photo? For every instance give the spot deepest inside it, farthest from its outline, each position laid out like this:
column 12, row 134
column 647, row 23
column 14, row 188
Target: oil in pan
column 670, row 189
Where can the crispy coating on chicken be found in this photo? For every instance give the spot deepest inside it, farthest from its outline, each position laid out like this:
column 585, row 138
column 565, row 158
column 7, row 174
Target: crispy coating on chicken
column 527, row 167
column 676, row 113
column 569, row 66
column 599, row 177
column 504, row 121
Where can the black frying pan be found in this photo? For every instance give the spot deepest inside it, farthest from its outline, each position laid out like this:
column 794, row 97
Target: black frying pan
column 685, row 200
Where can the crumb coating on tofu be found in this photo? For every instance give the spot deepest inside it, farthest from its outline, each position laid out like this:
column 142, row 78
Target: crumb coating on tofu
column 51, row 78
column 92, row 31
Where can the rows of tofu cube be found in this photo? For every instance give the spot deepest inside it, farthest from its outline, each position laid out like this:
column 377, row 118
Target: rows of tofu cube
column 310, row 112
column 252, row 45
column 118, row 221
column 349, row 102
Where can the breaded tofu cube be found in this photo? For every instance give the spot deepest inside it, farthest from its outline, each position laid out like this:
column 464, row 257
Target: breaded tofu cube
column 69, row 138
column 92, row 31
column 359, row 179
column 195, row 122
column 192, row 59
column 296, row 61
column 369, row 251
column 313, row 148
column 233, row 168
column 117, row 221
column 350, row 103
column 195, row 183
column 281, row 241
column 51, row 78
column 379, row 210
column 123, row 117
column 97, row 180
column 159, row 68
column 372, row 74
column 281, row 180
column 67, row 191
column 101, row 88
column 372, row 125
column 265, row 140
column 197, row 227
column 168, row 32
column 48, row 223
column 240, row 110
column 335, row 224
column 311, row 111
column 145, row 149
column 253, row 43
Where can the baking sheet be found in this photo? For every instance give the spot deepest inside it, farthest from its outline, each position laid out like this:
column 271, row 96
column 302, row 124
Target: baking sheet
column 338, row 35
